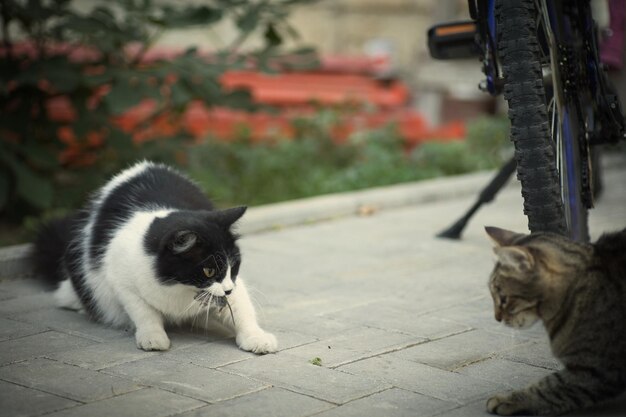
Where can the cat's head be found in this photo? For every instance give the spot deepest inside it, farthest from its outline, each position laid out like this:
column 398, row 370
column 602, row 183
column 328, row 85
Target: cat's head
column 528, row 269
column 196, row 248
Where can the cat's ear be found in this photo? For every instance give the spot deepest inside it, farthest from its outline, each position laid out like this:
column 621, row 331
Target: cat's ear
column 501, row 237
column 182, row 241
column 229, row 216
column 515, row 257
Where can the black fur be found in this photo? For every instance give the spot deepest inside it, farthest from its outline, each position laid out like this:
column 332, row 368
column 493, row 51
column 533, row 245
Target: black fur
column 51, row 244
column 213, row 237
column 157, row 186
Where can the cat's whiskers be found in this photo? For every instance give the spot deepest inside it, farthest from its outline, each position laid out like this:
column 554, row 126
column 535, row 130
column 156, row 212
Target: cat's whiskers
column 191, row 304
column 200, row 298
column 170, row 279
column 232, row 316
column 206, row 325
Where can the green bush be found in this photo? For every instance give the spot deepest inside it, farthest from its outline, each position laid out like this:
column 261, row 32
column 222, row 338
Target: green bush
column 117, row 34
column 312, row 164
column 242, row 172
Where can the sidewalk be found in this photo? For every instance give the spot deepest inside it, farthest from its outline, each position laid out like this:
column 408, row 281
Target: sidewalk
column 401, row 321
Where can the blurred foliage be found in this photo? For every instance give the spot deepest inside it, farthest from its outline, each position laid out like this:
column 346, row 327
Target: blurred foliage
column 312, row 164
column 242, row 172
column 115, row 36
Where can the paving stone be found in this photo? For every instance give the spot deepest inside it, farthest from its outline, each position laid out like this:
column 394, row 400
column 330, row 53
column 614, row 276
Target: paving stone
column 392, row 316
column 391, row 403
column 26, row 304
column 149, row 402
column 422, row 379
column 288, row 339
column 354, row 345
column 455, row 351
column 476, row 408
column 39, row 345
column 275, row 402
column 535, row 353
column 5, row 295
column 18, row 401
column 477, row 313
column 20, row 288
column 310, row 324
column 353, row 280
column 187, row 379
column 103, row 355
column 297, row 374
column 12, row 329
column 76, row 383
column 211, row 355
column 514, row 375
column 72, row 322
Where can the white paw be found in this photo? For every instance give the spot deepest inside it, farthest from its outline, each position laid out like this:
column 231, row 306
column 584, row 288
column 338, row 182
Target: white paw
column 152, row 339
column 257, row 341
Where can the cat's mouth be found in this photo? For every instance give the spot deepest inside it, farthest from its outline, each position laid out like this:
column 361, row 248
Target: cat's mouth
column 205, row 298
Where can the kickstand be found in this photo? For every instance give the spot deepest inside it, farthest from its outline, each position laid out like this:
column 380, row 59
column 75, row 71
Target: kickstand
column 486, row 195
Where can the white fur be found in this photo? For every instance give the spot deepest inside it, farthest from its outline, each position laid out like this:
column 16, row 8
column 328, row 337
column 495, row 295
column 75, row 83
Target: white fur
column 126, row 290
column 66, row 297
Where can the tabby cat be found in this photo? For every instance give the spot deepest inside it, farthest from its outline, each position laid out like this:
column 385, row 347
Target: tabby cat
column 578, row 291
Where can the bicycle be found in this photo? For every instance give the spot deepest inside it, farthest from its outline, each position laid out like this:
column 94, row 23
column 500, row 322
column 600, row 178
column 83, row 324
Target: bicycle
column 543, row 56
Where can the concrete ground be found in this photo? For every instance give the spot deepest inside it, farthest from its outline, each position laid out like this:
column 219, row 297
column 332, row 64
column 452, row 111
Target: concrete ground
column 401, row 322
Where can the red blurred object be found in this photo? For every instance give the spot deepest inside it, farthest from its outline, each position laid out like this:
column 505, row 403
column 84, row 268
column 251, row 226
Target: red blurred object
column 288, row 89
column 348, row 81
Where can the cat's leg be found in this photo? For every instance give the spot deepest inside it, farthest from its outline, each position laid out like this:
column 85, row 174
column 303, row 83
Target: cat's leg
column 556, row 393
column 149, row 331
column 243, row 322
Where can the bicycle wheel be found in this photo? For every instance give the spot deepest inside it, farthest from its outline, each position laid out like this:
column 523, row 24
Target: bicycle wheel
column 544, row 127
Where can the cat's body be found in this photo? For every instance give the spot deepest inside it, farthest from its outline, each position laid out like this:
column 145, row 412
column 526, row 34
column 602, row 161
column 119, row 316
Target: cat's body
column 578, row 291
column 151, row 249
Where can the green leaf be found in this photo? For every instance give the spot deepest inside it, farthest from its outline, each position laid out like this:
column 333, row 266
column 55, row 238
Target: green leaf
column 95, row 80
column 33, row 188
column 4, row 189
column 41, row 156
column 272, row 37
column 180, row 95
column 248, row 21
column 120, row 140
column 61, row 73
column 238, row 99
column 317, row 361
column 189, row 16
column 122, row 97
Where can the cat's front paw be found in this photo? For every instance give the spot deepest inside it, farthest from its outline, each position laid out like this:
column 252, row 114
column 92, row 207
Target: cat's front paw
column 257, row 341
column 508, row 405
column 152, row 339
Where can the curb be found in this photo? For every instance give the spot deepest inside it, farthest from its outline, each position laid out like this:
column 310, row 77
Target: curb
column 15, row 261
column 314, row 209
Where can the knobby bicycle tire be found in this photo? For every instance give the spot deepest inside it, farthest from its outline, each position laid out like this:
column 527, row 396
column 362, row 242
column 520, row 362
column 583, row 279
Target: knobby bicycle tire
column 520, row 55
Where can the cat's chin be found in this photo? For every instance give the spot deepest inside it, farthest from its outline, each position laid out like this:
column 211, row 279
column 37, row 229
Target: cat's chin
column 216, row 301
column 522, row 323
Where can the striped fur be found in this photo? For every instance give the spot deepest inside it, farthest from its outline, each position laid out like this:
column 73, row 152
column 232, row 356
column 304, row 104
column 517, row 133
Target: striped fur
column 578, row 291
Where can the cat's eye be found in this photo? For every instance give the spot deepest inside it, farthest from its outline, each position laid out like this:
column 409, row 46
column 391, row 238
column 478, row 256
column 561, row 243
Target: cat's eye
column 503, row 299
column 209, row 272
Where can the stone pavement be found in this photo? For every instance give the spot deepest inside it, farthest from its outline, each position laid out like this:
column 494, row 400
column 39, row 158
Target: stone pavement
column 401, row 323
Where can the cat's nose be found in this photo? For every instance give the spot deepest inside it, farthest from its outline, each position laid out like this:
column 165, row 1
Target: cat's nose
column 227, row 292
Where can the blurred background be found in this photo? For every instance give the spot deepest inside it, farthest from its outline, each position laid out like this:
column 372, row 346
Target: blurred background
column 259, row 101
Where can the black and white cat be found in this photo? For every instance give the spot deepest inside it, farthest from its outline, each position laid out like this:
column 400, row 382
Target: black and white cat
column 151, row 249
